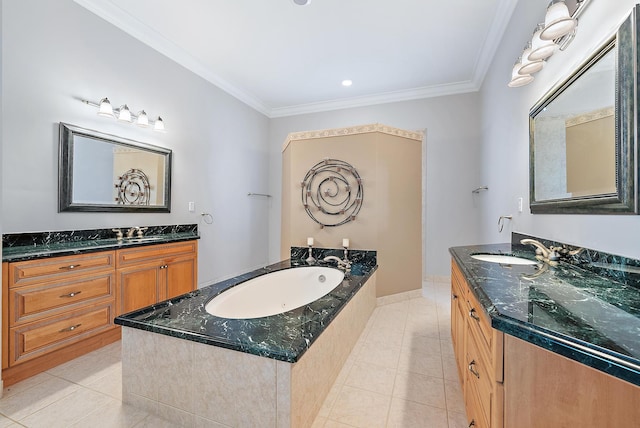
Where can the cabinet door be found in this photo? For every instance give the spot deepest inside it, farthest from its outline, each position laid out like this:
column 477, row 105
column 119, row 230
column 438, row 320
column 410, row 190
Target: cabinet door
column 180, row 277
column 138, row 287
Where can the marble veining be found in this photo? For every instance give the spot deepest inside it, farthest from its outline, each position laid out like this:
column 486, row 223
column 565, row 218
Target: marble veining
column 362, row 260
column 284, row 337
column 589, row 314
column 619, row 268
column 35, row 245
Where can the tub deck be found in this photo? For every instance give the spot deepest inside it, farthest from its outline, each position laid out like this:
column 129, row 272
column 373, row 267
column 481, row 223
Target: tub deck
column 284, row 337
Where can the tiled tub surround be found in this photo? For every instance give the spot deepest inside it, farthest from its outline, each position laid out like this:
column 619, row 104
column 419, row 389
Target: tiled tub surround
column 35, row 245
column 285, row 368
column 583, row 310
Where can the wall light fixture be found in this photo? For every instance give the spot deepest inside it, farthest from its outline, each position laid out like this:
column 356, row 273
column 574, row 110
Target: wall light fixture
column 123, row 114
column 556, row 33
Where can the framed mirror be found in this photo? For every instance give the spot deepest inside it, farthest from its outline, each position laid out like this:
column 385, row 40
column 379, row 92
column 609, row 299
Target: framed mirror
column 583, row 142
column 103, row 173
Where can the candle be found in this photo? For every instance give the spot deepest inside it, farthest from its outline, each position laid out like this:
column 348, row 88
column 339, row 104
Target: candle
column 345, row 243
column 310, row 241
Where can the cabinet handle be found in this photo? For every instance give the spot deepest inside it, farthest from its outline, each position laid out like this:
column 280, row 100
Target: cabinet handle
column 164, row 266
column 472, row 423
column 454, row 297
column 70, row 267
column 73, row 327
column 472, row 369
column 472, row 314
column 72, row 294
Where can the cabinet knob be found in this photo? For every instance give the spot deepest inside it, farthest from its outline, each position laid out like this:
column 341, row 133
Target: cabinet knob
column 453, row 297
column 472, row 423
column 472, row 369
column 72, row 294
column 73, row 327
column 472, row 314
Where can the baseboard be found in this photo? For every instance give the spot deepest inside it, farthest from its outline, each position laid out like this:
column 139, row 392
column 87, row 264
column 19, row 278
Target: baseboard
column 398, row 297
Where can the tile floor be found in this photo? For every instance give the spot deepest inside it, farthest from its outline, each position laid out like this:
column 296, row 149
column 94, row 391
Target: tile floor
column 400, row 374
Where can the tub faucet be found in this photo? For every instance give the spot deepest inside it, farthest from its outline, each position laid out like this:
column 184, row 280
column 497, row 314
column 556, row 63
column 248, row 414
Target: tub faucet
column 547, row 254
column 342, row 264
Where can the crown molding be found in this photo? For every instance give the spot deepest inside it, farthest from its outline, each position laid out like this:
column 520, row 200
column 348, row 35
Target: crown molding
column 137, row 29
column 352, row 130
column 113, row 14
column 382, row 98
column 504, row 11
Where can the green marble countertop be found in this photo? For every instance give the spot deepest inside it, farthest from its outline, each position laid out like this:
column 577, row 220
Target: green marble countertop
column 284, row 337
column 566, row 309
column 55, row 249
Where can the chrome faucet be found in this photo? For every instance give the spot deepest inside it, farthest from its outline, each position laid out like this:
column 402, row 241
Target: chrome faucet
column 131, row 231
column 547, row 254
column 118, row 234
column 342, row 264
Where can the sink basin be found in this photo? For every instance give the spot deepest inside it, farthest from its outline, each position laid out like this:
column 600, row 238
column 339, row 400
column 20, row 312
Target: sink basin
column 502, row 259
column 143, row 239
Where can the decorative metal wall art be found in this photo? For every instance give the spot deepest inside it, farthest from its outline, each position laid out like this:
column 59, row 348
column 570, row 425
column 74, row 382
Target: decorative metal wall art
column 133, row 188
column 332, row 193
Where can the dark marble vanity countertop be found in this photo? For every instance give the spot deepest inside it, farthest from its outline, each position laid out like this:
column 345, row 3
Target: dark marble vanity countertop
column 31, row 246
column 580, row 312
column 283, row 337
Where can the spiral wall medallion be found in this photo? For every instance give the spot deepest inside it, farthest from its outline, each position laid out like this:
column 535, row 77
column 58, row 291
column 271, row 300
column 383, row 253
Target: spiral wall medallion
column 332, row 193
column 133, row 188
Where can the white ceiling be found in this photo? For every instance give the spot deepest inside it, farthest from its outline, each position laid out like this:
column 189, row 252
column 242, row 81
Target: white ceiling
column 285, row 59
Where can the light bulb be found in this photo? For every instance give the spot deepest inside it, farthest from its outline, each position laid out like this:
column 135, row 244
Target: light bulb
column 557, row 21
column 143, row 120
column 518, row 79
column 541, row 49
column 105, row 108
column 124, row 114
column 159, row 125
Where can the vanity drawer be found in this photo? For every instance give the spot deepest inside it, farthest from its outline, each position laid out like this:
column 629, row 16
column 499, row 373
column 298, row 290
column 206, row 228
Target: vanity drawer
column 164, row 252
column 51, row 269
column 39, row 338
column 479, row 379
column 33, row 302
column 479, row 323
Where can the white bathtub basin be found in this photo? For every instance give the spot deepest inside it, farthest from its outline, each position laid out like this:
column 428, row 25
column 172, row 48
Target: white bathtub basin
column 275, row 293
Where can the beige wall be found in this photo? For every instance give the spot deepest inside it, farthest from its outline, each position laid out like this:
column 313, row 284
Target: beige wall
column 591, row 157
column 390, row 220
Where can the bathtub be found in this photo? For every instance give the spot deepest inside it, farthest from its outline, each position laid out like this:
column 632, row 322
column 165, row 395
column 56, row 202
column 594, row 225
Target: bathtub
column 197, row 369
column 275, row 293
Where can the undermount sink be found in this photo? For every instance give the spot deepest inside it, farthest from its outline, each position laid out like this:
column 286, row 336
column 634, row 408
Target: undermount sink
column 503, row 259
column 142, row 239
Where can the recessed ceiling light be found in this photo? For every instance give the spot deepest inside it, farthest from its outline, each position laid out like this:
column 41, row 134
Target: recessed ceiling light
column 302, row 2
column 347, row 82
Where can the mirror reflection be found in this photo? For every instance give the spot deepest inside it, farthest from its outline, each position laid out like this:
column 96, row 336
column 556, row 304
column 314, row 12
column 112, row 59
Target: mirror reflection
column 583, row 134
column 575, row 144
column 101, row 172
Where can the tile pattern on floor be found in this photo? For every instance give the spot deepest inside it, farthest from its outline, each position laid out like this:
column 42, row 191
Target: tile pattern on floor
column 401, row 373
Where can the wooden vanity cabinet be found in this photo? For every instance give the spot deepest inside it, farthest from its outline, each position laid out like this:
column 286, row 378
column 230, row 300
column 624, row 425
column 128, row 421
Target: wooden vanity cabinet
column 508, row 382
column 148, row 275
column 56, row 309
column 545, row 389
column 478, row 350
